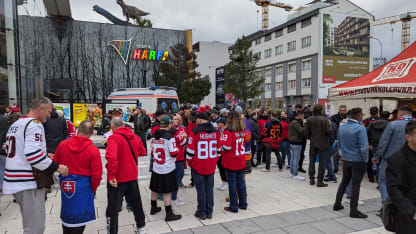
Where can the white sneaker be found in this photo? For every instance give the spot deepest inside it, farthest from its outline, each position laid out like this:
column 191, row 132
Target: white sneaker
column 178, row 202
column 298, row 177
column 265, row 170
column 347, row 200
column 141, row 230
column 223, row 186
column 360, row 203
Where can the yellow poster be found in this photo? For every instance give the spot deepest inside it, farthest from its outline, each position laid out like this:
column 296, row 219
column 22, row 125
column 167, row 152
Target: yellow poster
column 80, row 111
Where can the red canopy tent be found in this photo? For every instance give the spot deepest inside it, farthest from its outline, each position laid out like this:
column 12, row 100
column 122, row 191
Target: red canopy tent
column 395, row 79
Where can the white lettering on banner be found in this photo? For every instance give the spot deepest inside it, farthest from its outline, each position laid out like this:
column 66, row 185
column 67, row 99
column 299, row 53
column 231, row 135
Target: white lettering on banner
column 396, row 70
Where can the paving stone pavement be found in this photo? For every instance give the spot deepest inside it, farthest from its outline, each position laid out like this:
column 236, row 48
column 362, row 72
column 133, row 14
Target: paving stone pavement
column 276, row 204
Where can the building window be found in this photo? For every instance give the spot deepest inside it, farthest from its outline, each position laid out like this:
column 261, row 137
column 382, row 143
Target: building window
column 279, row 49
column 268, row 72
column 306, row 83
column 279, row 70
column 268, row 37
column 291, row 46
column 292, row 68
column 279, row 86
column 268, row 87
column 258, row 55
column 258, row 41
column 278, row 33
column 291, row 28
column 268, row 53
column 306, row 65
column 306, row 42
column 306, row 22
column 292, row 84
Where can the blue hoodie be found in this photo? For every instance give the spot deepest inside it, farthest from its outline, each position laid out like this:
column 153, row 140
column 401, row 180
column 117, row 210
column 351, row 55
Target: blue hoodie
column 353, row 141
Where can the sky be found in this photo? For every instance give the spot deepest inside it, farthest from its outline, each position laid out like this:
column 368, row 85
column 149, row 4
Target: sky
column 226, row 20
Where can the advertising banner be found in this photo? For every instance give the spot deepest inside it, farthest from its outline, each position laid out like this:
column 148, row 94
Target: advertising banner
column 345, row 47
column 84, row 111
column 219, row 82
column 65, row 107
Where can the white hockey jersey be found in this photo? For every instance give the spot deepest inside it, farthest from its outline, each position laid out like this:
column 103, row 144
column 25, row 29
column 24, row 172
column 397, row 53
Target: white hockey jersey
column 23, row 153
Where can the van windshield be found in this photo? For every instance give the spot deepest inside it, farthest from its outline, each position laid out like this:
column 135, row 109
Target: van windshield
column 168, row 104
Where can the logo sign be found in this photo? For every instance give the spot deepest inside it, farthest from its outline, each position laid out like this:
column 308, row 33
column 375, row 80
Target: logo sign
column 68, row 188
column 328, row 79
column 396, row 70
column 123, row 48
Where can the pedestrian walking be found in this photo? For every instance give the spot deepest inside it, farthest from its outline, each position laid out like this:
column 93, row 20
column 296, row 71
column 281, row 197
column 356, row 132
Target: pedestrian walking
column 263, row 118
column 122, row 152
column 141, row 124
column 83, row 160
column 318, row 129
column 26, row 153
column 401, row 182
column 56, row 131
column 163, row 179
column 271, row 138
column 353, row 143
column 203, row 153
column 296, row 138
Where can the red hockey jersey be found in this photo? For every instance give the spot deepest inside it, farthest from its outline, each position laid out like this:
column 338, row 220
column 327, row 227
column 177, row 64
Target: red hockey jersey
column 203, row 149
column 233, row 149
column 181, row 139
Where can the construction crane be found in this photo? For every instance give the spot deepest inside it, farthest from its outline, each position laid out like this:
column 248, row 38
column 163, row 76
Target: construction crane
column 265, row 5
column 405, row 18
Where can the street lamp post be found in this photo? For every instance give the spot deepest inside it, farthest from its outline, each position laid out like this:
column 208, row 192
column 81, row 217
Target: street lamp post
column 381, row 45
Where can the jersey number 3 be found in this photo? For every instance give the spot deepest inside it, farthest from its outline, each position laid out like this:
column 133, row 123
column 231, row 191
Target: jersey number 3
column 159, row 156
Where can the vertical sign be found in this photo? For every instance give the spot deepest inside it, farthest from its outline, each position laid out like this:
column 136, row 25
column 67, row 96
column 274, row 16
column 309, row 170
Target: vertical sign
column 219, row 82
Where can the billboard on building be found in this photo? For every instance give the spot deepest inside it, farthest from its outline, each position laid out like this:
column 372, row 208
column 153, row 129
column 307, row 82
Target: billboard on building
column 219, row 83
column 345, row 47
column 83, row 111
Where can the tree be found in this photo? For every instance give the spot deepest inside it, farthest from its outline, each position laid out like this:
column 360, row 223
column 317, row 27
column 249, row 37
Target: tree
column 241, row 78
column 144, row 23
column 179, row 72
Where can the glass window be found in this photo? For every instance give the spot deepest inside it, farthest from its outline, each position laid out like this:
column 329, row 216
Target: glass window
column 278, row 33
column 268, row 53
column 292, row 84
column 291, row 46
column 306, row 82
column 279, row 49
column 258, row 55
column 306, row 65
column 306, row 22
column 258, row 41
column 306, row 42
column 291, row 28
column 279, row 86
column 268, row 87
column 292, row 68
column 268, row 37
column 268, row 72
column 279, row 70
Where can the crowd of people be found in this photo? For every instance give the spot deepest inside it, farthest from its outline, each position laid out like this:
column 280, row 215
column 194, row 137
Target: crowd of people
column 232, row 139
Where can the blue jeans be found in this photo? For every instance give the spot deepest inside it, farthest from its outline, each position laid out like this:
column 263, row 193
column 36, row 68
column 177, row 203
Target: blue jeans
column 329, row 155
column 179, row 175
column 2, row 168
column 382, row 180
column 204, row 185
column 236, row 184
column 285, row 150
column 294, row 161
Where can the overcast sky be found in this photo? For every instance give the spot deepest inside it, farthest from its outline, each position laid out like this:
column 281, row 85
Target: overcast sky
column 226, row 20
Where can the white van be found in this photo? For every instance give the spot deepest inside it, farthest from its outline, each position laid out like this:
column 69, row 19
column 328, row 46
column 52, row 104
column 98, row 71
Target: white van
column 150, row 99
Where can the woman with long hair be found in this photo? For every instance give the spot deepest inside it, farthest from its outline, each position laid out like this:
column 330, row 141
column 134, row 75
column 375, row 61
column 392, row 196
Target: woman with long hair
column 233, row 160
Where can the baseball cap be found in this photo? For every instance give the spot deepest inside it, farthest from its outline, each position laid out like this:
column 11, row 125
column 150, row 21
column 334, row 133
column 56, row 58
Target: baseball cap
column 201, row 109
column 195, row 107
column 202, row 115
column 224, row 110
column 165, row 121
column 118, row 110
column 373, row 110
column 221, row 120
column 238, row 109
column 214, row 111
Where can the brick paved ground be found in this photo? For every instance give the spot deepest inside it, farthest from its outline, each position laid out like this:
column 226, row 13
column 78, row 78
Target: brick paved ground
column 276, row 204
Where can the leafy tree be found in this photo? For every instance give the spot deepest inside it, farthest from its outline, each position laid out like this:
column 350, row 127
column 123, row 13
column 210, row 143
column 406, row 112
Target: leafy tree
column 144, row 23
column 179, row 72
column 241, row 78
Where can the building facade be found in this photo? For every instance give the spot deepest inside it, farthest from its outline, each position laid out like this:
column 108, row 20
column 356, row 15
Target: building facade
column 311, row 52
column 210, row 56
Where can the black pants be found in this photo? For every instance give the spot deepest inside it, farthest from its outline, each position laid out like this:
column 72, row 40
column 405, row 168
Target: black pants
column 302, row 155
column 253, row 153
column 351, row 171
column 370, row 171
column 114, row 198
column 222, row 170
column 260, row 154
column 313, row 153
column 142, row 136
column 73, row 230
column 276, row 151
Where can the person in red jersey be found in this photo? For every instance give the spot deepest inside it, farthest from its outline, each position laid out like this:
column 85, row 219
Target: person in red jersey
column 202, row 154
column 83, row 160
column 233, row 142
column 179, row 132
column 263, row 118
column 122, row 152
column 271, row 138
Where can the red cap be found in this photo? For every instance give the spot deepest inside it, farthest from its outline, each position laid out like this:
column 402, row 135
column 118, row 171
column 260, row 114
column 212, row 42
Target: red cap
column 207, row 107
column 201, row 109
column 15, row 109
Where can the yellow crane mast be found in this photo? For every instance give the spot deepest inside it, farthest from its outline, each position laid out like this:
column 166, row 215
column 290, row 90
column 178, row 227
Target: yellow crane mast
column 265, row 5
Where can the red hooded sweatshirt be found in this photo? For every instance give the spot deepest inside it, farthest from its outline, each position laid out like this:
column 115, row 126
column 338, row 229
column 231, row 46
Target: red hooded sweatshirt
column 181, row 139
column 81, row 157
column 120, row 162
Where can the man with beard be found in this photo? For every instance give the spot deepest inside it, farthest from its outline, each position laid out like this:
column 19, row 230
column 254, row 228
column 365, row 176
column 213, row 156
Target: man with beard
column 262, row 120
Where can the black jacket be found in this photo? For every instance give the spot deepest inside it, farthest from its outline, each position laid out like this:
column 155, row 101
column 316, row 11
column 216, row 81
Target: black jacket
column 318, row 129
column 4, row 126
column 255, row 130
column 336, row 119
column 106, row 124
column 141, row 122
column 375, row 130
column 56, row 131
column 401, row 182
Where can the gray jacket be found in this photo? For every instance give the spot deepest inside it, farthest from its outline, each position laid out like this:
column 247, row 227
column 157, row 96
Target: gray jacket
column 393, row 138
